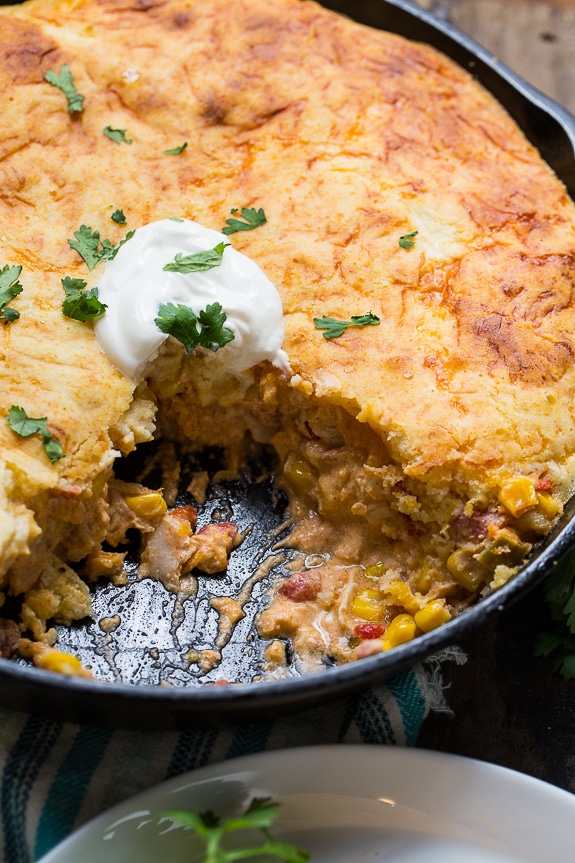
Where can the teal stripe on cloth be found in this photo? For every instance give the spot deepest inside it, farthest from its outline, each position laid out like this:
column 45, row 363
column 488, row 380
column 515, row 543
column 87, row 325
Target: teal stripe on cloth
column 252, row 738
column 192, row 750
column 407, row 691
column 372, row 720
column 55, row 776
column 69, row 786
column 21, row 768
column 348, row 718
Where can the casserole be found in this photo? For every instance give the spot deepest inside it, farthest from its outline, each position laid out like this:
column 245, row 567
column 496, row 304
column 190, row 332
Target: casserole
column 384, row 663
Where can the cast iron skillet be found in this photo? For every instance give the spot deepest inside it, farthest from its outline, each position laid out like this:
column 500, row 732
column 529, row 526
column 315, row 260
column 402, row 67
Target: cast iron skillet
column 145, row 679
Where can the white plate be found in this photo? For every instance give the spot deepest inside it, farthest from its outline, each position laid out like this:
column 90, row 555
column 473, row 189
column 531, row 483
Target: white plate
column 348, row 804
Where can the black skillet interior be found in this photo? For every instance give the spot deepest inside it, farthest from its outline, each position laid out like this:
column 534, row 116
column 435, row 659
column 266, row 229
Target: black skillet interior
column 139, row 643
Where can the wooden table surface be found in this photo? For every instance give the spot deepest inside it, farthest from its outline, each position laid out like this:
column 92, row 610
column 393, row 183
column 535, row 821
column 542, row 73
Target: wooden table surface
column 535, row 39
column 509, row 708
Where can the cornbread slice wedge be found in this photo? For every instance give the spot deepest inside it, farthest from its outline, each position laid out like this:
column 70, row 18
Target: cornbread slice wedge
column 423, row 456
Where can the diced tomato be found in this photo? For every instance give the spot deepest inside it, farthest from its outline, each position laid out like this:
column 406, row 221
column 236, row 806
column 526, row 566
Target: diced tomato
column 543, row 484
column 185, row 513
column 301, row 587
column 224, row 527
column 369, row 630
column 475, row 527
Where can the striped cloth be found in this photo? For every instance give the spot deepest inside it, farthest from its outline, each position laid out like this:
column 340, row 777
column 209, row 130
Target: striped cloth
column 57, row 775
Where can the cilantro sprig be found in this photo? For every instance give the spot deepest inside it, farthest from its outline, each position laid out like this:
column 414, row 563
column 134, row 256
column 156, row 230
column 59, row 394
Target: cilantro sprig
column 206, row 330
column 117, row 135
column 175, row 151
column 559, row 641
column 79, row 304
column 259, row 815
column 65, row 82
column 407, row 241
column 252, row 218
column 197, row 262
column 334, row 327
column 118, row 217
column 10, row 287
column 25, row 426
column 87, row 244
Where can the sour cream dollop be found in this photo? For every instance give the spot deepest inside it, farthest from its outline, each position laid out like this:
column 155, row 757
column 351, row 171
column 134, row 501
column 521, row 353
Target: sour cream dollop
column 134, row 284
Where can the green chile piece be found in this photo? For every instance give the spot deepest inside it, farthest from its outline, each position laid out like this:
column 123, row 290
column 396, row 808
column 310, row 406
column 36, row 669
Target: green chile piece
column 465, row 567
column 506, row 550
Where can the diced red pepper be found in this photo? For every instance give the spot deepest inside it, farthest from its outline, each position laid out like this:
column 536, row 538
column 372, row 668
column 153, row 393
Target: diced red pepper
column 369, row 630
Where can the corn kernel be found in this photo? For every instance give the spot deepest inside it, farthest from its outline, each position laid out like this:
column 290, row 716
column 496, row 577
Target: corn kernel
column 99, row 483
column 367, row 605
column 518, row 494
column 547, row 504
column 433, row 615
column 401, row 593
column 376, row 570
column 63, row 663
column 276, row 652
column 401, row 629
column 301, row 476
column 425, row 577
column 147, row 505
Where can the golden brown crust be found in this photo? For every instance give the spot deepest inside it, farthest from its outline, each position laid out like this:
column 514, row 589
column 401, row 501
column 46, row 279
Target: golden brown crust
column 349, row 138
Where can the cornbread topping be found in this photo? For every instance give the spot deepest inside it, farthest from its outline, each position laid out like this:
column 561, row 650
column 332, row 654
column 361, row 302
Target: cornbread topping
column 135, row 283
column 424, row 445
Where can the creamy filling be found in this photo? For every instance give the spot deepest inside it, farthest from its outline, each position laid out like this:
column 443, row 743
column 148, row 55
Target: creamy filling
column 134, row 284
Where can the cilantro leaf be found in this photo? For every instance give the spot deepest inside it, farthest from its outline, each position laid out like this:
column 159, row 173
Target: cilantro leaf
column 198, row 262
column 25, row 426
column 118, row 217
column 559, row 644
column 175, row 151
column 334, row 328
column 569, row 612
column 559, row 641
column 181, row 323
column 109, row 251
column 560, row 588
column 260, row 813
column 87, row 244
column 79, row 304
column 10, row 287
column 65, row 82
column 407, row 241
column 252, row 219
column 10, row 315
column 211, row 829
column 116, row 135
